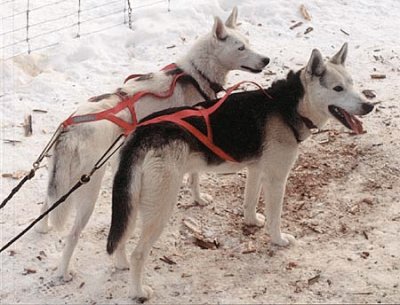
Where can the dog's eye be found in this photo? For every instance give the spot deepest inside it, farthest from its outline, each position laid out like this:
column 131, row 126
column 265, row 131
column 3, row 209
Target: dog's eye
column 241, row 48
column 338, row 88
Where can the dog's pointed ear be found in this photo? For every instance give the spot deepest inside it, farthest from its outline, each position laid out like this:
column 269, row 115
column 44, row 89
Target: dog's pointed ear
column 340, row 57
column 231, row 22
column 219, row 30
column 316, row 65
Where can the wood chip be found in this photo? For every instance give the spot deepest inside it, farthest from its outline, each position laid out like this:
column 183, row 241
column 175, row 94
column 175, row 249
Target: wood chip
column 28, row 271
column 313, row 280
column 28, row 125
column 15, row 175
column 81, row 285
column 291, row 265
column 378, row 76
column 11, row 141
column 305, row 13
column 370, row 94
column 199, row 236
column 362, row 293
column 296, row 25
column 39, row 110
column 167, row 260
column 323, row 141
column 368, row 200
column 171, row 46
column 365, row 234
column 205, row 244
column 364, row 254
column 249, row 248
column 314, row 228
column 395, row 218
column 308, row 30
column 344, row 32
column 193, row 226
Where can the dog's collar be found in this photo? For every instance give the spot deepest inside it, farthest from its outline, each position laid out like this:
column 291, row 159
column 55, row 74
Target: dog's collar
column 213, row 85
column 308, row 123
column 187, row 78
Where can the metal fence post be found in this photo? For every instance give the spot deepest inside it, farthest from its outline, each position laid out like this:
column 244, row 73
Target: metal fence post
column 27, row 27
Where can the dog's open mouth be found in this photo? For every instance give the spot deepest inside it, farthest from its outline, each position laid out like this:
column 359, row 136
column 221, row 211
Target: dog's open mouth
column 348, row 120
column 251, row 69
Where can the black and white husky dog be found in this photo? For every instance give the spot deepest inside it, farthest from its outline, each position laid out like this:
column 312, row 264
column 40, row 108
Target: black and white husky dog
column 262, row 133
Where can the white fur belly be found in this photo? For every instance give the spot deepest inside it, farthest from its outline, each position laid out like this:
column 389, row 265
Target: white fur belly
column 197, row 163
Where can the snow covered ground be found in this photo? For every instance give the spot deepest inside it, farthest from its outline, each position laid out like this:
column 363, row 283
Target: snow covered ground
column 343, row 195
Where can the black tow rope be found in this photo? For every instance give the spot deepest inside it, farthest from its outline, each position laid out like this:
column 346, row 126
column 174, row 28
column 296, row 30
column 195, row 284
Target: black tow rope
column 35, row 166
column 83, row 180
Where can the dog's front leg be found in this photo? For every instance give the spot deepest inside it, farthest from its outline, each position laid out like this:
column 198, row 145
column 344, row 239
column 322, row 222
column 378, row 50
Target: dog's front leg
column 274, row 190
column 194, row 182
column 251, row 197
column 274, row 183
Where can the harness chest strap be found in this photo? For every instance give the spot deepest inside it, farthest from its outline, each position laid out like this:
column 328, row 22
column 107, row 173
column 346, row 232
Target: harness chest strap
column 207, row 140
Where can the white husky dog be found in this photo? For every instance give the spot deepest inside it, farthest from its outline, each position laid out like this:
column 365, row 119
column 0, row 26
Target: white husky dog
column 80, row 146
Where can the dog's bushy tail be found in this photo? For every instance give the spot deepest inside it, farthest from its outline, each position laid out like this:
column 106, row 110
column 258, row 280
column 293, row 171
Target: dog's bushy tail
column 126, row 182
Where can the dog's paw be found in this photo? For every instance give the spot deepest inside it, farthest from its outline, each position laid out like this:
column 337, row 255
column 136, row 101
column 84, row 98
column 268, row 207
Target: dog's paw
column 64, row 275
column 143, row 295
column 257, row 221
column 121, row 262
column 65, row 278
column 42, row 228
column 284, row 240
column 203, row 200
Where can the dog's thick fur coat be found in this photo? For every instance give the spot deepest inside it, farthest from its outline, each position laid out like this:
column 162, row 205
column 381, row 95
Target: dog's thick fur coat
column 80, row 146
column 262, row 134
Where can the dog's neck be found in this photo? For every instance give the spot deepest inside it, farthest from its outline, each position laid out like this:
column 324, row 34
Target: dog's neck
column 215, row 86
column 202, row 64
column 311, row 117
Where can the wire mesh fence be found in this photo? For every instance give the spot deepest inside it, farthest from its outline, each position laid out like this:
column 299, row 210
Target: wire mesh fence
column 28, row 27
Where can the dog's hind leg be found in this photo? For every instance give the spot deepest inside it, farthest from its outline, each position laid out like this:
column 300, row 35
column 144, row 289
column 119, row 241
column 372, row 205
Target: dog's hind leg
column 85, row 199
column 157, row 200
column 200, row 199
column 43, row 225
column 251, row 197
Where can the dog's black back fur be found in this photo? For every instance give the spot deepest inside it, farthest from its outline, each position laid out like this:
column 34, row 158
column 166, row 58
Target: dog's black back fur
column 238, row 127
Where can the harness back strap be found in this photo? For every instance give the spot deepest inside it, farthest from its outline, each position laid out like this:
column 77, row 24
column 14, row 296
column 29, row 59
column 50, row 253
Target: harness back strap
column 207, row 140
column 126, row 102
column 166, row 68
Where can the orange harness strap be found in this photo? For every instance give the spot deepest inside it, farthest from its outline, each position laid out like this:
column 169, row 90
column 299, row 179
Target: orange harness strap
column 166, row 68
column 207, row 140
column 126, row 102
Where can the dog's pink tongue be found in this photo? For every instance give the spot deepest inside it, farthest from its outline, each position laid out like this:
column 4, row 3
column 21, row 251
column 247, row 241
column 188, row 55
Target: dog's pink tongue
column 354, row 123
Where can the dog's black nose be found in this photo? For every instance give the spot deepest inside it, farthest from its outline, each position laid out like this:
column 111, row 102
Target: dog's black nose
column 265, row 60
column 367, row 107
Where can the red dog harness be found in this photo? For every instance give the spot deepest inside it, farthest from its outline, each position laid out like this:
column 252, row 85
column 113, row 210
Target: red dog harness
column 126, row 102
column 177, row 118
column 207, row 140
